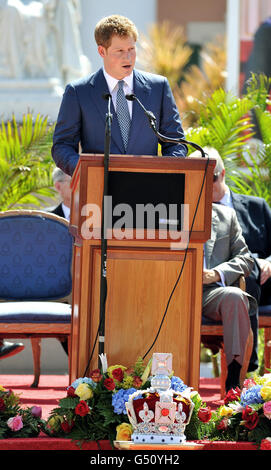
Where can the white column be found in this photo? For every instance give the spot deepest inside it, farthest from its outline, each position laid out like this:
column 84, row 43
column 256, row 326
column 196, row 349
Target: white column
column 233, row 46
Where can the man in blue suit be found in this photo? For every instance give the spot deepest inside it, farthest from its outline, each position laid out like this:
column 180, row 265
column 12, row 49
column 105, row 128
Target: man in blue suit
column 81, row 119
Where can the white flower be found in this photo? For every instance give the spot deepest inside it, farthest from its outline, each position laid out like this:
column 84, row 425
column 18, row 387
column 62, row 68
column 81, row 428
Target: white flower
column 103, row 360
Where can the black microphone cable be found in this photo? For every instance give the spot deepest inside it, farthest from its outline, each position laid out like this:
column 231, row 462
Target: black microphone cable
column 182, row 268
column 152, row 121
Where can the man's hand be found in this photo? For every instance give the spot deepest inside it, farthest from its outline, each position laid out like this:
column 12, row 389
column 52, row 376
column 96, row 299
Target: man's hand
column 265, row 267
column 210, row 276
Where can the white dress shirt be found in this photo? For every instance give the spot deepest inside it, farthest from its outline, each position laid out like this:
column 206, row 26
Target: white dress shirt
column 226, row 199
column 66, row 211
column 112, row 84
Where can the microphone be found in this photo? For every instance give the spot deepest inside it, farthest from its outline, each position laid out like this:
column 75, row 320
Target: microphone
column 152, row 121
column 109, row 117
column 106, row 96
column 149, row 114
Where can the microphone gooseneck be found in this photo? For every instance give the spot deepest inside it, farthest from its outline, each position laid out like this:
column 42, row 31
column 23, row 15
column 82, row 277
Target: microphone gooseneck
column 163, row 138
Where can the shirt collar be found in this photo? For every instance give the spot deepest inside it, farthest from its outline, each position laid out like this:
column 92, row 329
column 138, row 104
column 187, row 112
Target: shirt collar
column 226, row 199
column 66, row 211
column 112, row 82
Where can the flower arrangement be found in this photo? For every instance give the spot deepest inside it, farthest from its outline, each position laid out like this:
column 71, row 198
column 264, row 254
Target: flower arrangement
column 245, row 415
column 94, row 408
column 16, row 421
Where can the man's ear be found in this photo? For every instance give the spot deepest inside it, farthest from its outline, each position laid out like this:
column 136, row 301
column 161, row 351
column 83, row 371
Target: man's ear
column 57, row 186
column 101, row 51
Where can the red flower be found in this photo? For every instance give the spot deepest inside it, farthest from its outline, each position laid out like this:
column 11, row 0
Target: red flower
column 118, row 374
column 70, row 392
column 66, row 427
column 223, row 424
column 96, row 375
column 232, row 395
column 137, row 382
column 2, row 405
column 250, row 418
column 82, row 409
column 266, row 444
column 205, row 414
column 109, row 384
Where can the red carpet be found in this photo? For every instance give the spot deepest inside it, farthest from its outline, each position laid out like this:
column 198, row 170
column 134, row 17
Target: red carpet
column 53, row 387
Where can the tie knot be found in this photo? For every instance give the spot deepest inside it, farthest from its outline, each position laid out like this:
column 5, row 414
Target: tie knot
column 121, row 83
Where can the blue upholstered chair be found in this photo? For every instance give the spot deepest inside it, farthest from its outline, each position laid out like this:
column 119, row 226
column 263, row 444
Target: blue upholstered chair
column 35, row 278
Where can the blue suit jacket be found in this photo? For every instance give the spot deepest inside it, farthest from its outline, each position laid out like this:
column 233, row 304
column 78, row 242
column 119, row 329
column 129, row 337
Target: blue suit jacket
column 82, row 115
column 254, row 216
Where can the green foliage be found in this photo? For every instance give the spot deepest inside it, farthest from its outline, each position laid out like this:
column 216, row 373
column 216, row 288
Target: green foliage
column 253, row 176
column 25, row 162
column 223, row 124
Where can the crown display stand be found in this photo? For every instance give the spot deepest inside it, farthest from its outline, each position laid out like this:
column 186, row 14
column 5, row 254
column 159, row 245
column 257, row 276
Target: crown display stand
column 141, row 270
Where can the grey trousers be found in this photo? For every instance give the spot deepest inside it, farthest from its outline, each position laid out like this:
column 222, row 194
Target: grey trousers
column 231, row 306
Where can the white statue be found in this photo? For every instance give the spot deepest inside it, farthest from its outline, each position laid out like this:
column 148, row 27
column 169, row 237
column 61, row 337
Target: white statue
column 41, row 39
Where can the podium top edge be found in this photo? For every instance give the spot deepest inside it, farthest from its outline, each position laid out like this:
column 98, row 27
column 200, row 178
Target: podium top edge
column 148, row 161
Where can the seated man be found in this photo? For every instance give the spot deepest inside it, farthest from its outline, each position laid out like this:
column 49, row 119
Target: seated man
column 254, row 216
column 62, row 185
column 226, row 259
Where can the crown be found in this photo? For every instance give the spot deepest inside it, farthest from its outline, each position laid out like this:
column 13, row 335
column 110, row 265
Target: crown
column 160, row 414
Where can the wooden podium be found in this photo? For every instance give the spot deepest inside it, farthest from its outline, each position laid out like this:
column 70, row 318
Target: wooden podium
column 141, row 271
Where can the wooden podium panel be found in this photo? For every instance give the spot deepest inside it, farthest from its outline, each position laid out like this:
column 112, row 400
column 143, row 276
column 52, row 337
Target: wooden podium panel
column 141, row 275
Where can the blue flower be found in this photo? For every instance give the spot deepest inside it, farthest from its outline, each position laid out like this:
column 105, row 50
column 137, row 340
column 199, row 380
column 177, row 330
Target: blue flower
column 177, row 384
column 120, row 398
column 251, row 396
column 83, row 380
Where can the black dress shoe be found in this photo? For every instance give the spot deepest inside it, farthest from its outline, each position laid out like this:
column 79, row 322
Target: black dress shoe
column 9, row 349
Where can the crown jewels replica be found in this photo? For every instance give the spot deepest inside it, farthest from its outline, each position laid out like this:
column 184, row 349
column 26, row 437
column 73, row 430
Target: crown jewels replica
column 160, row 414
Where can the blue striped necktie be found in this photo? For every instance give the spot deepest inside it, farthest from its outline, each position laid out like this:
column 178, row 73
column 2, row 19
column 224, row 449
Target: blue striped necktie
column 123, row 114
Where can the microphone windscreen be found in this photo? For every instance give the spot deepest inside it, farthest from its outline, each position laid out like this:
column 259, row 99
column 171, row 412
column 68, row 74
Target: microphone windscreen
column 106, row 96
column 130, row 97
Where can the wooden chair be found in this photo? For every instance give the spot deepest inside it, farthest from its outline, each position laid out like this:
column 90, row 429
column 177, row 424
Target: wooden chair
column 213, row 329
column 265, row 322
column 35, row 278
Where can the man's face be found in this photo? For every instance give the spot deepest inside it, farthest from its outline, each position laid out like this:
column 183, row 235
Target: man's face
column 119, row 58
column 64, row 190
column 219, row 186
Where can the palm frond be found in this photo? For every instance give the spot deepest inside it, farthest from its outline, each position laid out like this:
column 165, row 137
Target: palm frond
column 25, row 161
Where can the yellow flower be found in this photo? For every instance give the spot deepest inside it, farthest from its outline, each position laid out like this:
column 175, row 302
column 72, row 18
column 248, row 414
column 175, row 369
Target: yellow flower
column 83, row 391
column 2, row 389
column 111, row 368
column 225, row 411
column 266, row 392
column 124, row 432
column 54, row 422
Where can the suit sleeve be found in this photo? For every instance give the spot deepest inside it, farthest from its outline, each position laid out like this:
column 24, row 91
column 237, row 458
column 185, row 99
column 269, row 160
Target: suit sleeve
column 67, row 132
column 170, row 124
column 240, row 261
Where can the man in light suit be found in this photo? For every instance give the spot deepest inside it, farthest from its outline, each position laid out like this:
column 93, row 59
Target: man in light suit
column 81, row 119
column 226, row 259
column 254, row 216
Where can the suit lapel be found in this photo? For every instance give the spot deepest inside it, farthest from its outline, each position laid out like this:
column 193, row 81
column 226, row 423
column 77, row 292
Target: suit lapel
column 209, row 245
column 239, row 203
column 139, row 121
column 98, row 88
